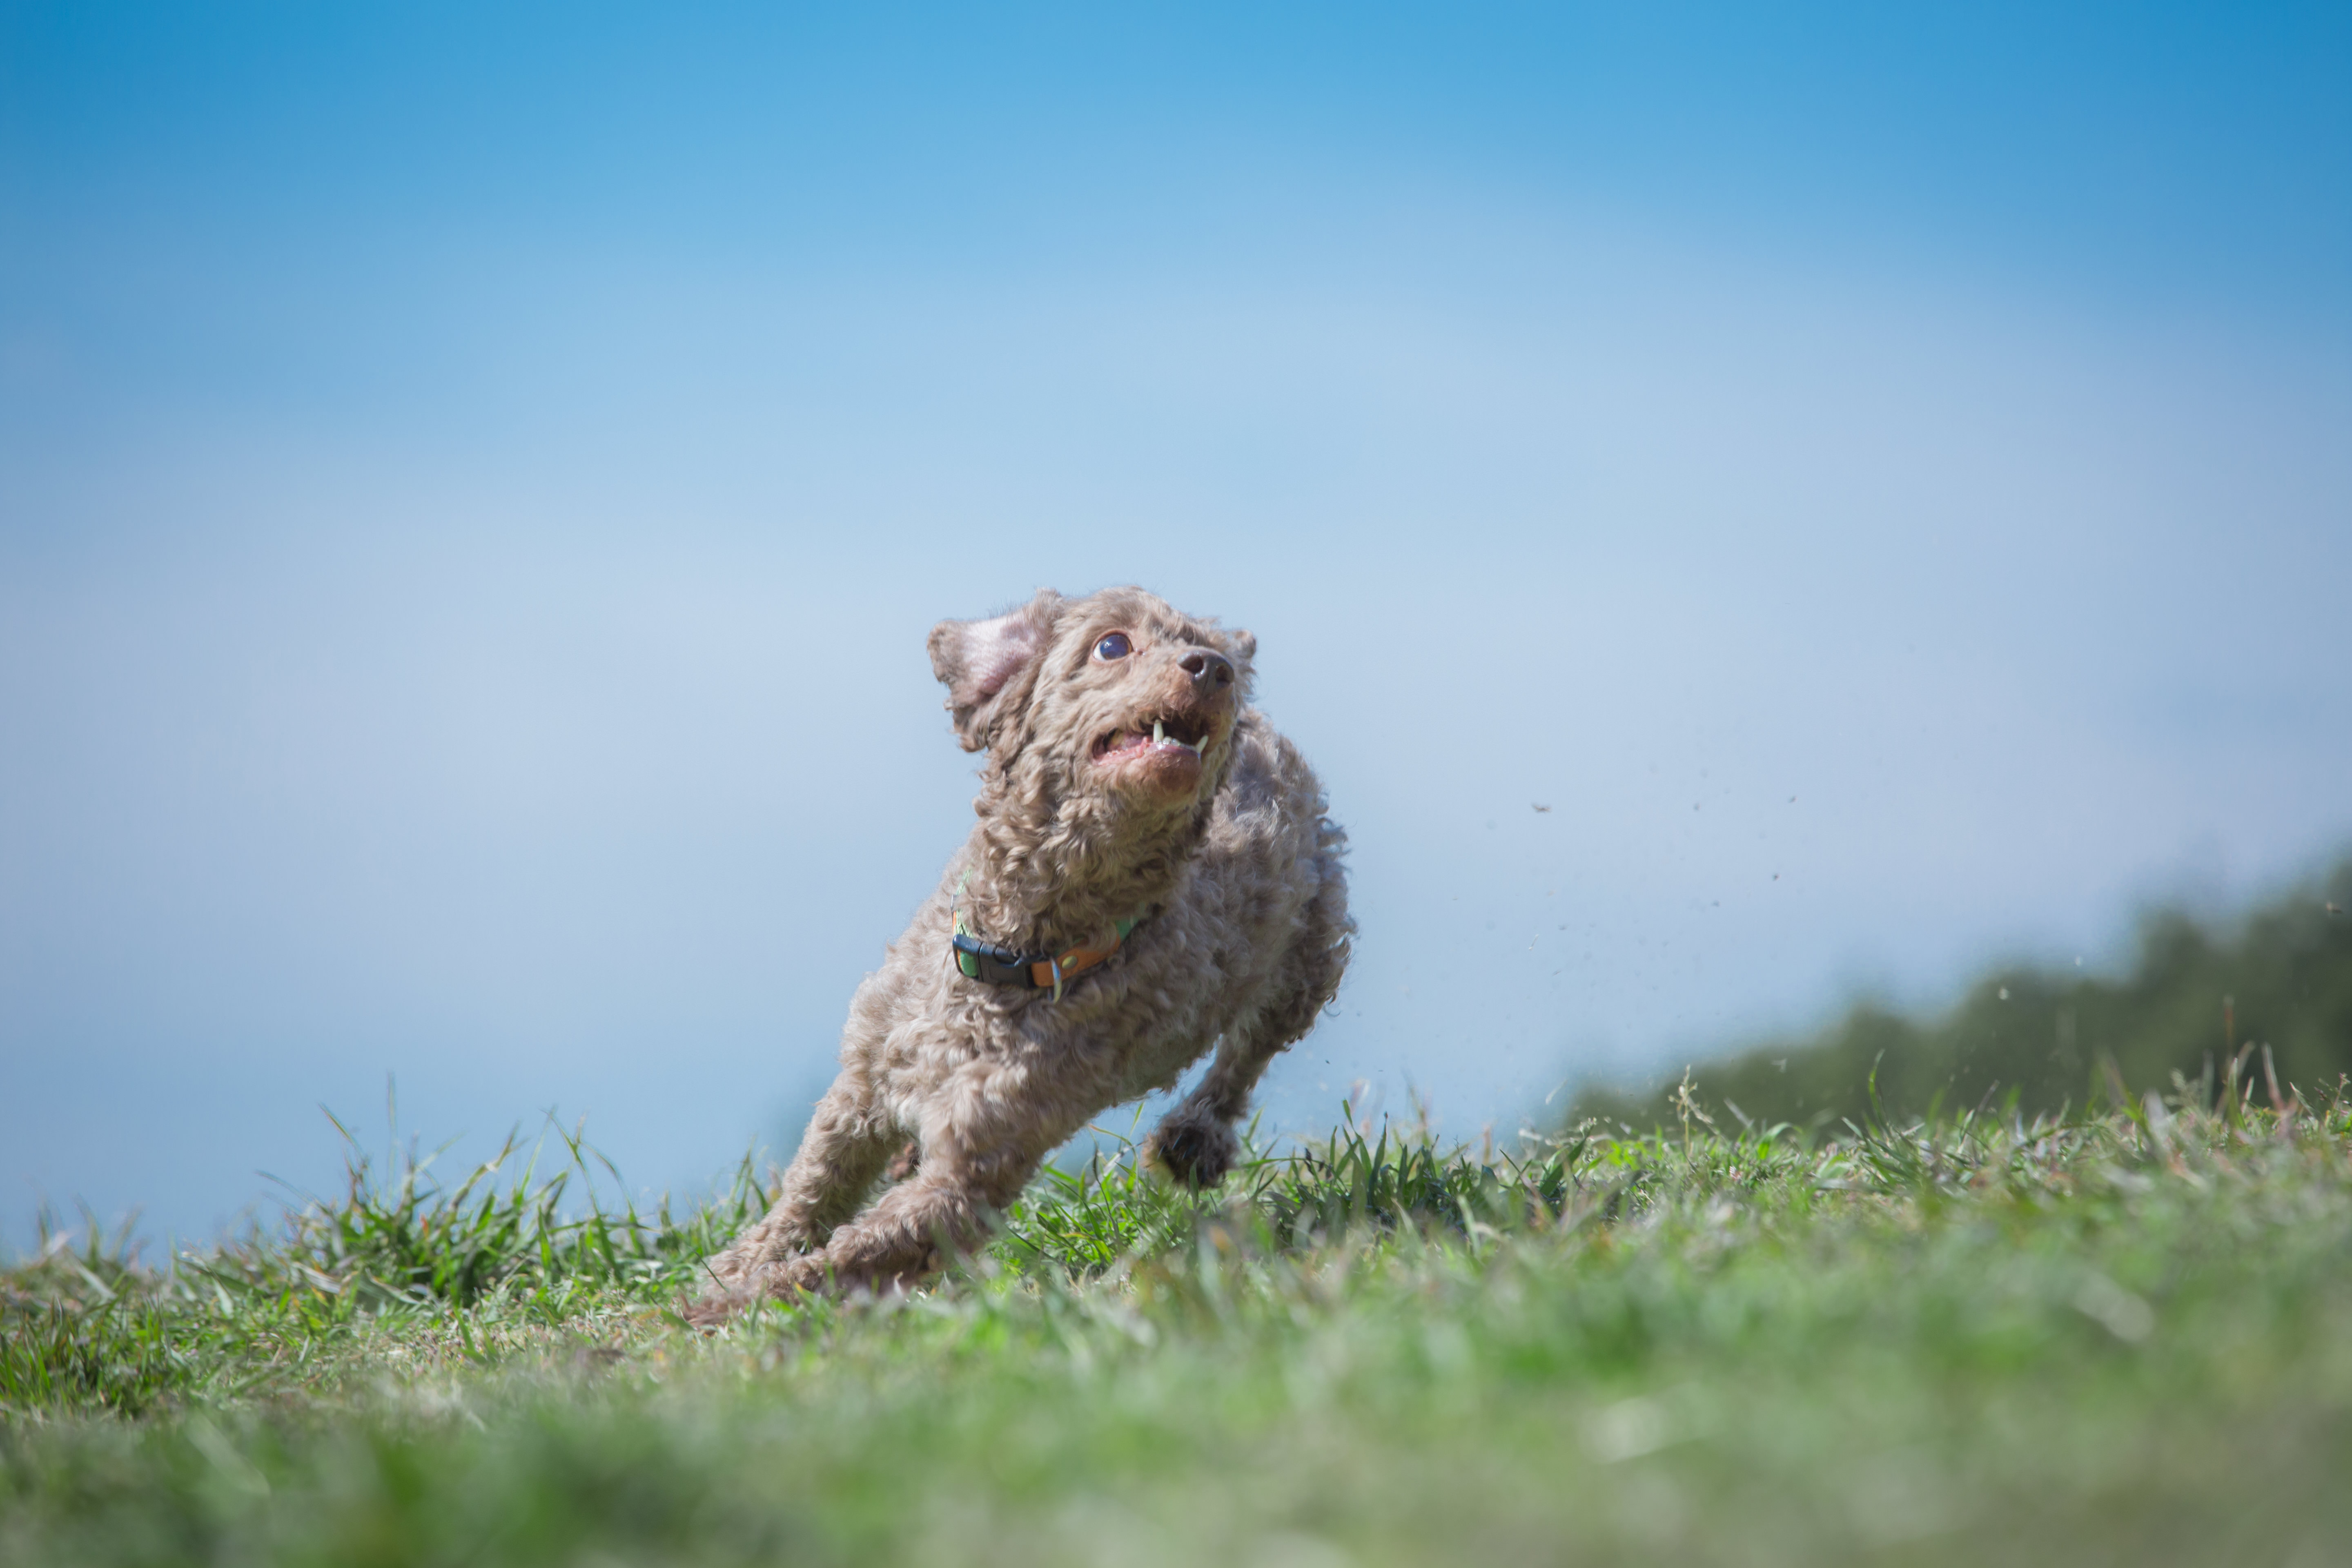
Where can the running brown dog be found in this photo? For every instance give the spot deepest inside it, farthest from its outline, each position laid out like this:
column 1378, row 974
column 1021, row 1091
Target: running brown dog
column 1152, row 873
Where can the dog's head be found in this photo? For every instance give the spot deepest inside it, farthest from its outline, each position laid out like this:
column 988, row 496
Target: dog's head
column 1117, row 697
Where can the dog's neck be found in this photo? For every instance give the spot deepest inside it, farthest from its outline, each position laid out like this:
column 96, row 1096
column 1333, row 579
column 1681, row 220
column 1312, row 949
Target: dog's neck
column 1041, row 875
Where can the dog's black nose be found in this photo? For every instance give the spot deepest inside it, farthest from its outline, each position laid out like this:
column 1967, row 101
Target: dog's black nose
column 1209, row 670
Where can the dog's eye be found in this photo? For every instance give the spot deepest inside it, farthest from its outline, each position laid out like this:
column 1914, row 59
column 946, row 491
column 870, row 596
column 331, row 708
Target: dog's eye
column 1115, row 646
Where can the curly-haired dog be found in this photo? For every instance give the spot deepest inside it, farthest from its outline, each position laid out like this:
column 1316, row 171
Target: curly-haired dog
column 1151, row 873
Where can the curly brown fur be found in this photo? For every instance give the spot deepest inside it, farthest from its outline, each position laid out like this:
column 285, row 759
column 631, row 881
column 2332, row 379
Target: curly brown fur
column 957, row 1090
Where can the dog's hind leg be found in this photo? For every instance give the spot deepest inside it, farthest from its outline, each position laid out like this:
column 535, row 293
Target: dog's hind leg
column 1195, row 1141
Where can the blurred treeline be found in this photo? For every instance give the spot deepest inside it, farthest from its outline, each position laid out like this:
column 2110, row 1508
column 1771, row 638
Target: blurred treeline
column 2280, row 977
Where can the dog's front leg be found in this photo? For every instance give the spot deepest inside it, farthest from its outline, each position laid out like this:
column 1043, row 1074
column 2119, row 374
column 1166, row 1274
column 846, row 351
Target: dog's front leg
column 943, row 1208
column 987, row 1131
column 847, row 1146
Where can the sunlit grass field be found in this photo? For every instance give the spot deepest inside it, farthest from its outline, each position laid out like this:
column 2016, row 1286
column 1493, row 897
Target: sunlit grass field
column 2120, row 1338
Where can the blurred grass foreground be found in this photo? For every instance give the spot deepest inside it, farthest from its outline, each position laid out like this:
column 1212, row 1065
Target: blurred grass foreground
column 2115, row 1337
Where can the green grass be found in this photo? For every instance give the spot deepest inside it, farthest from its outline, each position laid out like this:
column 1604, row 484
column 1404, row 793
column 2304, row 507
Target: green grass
column 2126, row 1338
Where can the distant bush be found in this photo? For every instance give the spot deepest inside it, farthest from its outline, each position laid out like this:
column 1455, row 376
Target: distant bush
column 2197, row 1002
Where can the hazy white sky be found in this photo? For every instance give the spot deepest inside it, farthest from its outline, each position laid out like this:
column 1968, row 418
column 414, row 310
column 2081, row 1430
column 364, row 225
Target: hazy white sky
column 472, row 497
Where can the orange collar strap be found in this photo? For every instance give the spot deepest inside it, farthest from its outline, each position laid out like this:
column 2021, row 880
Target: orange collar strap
column 985, row 961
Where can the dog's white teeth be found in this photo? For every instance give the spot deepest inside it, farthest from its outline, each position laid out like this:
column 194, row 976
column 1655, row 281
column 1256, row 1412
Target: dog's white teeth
column 1161, row 737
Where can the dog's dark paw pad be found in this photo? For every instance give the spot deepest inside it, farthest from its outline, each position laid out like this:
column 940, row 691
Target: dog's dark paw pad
column 1197, row 1155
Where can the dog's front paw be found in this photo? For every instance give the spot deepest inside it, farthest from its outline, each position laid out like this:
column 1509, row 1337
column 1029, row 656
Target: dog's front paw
column 710, row 1313
column 1197, row 1154
column 785, row 1279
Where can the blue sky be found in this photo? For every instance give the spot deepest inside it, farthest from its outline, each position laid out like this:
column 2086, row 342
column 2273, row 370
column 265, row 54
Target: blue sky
column 473, row 488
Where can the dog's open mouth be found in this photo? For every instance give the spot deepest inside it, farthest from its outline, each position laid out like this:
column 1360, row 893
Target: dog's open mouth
column 1168, row 733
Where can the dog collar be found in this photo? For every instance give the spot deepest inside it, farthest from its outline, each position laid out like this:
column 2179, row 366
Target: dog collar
column 984, row 961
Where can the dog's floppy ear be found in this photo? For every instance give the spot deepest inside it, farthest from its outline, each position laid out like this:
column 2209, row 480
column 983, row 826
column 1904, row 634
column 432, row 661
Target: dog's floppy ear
column 977, row 661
